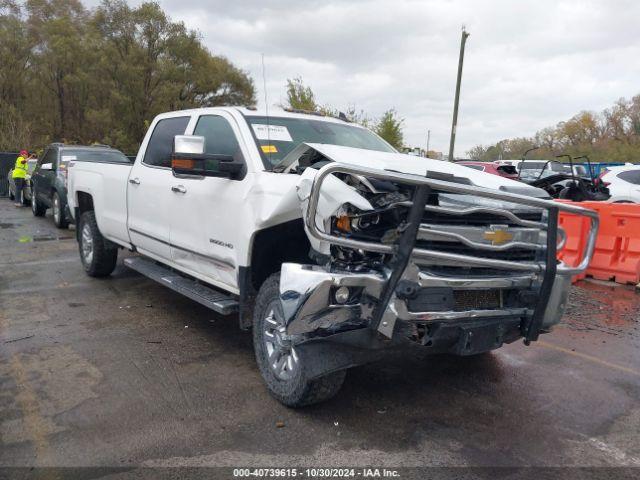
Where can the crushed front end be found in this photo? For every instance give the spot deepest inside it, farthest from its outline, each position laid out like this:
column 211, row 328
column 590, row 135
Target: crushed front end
column 432, row 261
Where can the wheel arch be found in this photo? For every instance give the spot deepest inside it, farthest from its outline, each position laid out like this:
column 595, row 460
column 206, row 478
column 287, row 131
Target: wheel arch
column 269, row 248
column 84, row 203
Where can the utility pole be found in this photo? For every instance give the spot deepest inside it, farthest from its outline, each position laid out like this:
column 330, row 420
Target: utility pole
column 452, row 142
column 428, row 140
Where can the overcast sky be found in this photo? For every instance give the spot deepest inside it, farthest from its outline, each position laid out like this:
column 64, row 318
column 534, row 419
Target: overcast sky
column 528, row 65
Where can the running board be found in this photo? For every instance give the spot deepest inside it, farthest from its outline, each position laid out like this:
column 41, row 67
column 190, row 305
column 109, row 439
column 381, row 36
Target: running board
column 209, row 297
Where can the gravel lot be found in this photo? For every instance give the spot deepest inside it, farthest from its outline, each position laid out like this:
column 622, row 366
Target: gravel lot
column 122, row 372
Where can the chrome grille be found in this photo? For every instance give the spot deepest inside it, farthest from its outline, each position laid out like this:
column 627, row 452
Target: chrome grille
column 516, row 255
column 436, row 217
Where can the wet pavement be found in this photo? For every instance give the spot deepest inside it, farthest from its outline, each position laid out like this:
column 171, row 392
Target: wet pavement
column 123, row 372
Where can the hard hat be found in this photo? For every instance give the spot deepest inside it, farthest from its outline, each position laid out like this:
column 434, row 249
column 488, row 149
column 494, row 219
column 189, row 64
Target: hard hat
column 23, row 153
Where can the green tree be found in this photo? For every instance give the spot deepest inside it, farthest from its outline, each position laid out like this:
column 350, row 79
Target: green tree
column 389, row 127
column 15, row 57
column 301, row 97
column 82, row 76
column 612, row 135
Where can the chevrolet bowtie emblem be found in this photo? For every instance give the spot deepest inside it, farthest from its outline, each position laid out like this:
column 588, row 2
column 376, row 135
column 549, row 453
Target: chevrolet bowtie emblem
column 498, row 237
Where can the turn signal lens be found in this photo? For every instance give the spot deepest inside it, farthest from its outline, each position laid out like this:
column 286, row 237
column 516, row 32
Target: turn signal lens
column 343, row 224
column 181, row 163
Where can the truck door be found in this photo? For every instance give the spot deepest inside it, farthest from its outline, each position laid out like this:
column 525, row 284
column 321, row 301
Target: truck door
column 149, row 190
column 44, row 175
column 207, row 212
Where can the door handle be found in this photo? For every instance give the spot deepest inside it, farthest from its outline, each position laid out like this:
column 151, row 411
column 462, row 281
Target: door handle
column 178, row 189
column 134, row 181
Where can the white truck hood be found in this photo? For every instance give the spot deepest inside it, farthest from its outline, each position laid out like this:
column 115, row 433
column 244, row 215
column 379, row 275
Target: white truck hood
column 336, row 193
column 403, row 163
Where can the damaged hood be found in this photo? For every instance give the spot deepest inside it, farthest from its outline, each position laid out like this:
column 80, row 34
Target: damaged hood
column 336, row 193
column 403, row 163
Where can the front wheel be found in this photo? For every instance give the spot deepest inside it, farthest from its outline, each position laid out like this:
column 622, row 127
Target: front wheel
column 59, row 218
column 97, row 259
column 282, row 369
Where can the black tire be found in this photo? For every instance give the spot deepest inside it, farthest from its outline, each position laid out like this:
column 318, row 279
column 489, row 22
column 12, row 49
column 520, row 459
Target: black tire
column 103, row 258
column 59, row 218
column 11, row 195
column 297, row 391
column 37, row 208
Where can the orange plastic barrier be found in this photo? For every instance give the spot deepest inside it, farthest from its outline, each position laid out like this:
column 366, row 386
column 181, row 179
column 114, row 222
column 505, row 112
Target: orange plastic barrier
column 617, row 253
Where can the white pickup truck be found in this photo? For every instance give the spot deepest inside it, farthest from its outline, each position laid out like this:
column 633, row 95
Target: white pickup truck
column 329, row 243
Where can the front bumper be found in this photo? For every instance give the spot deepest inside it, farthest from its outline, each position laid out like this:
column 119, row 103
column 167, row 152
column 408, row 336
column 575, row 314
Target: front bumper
column 307, row 295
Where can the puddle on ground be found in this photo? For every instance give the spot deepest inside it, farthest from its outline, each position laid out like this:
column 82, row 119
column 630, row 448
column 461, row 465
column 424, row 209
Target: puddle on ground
column 42, row 238
column 8, row 225
column 603, row 306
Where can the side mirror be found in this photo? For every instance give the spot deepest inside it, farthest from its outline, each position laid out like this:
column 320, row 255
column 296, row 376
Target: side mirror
column 188, row 144
column 188, row 158
column 46, row 166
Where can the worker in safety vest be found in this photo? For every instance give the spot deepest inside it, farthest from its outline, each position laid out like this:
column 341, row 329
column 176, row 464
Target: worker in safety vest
column 19, row 175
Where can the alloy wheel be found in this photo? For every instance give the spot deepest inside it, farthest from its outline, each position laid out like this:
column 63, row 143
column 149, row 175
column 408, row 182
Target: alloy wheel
column 87, row 244
column 56, row 208
column 281, row 354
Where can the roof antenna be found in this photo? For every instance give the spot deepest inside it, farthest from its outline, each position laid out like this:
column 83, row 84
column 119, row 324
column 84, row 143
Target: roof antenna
column 266, row 107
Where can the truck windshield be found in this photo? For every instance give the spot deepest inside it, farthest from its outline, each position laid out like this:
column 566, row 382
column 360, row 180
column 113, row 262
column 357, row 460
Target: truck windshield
column 277, row 136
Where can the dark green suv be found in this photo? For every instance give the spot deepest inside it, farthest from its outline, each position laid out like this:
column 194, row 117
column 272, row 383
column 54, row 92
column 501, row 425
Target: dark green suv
column 49, row 179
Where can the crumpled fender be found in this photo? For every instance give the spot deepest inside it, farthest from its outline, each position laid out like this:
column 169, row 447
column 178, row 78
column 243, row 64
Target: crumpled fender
column 333, row 195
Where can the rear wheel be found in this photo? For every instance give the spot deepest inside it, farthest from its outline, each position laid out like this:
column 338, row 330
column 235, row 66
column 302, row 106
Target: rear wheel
column 59, row 218
column 98, row 258
column 282, row 369
column 36, row 207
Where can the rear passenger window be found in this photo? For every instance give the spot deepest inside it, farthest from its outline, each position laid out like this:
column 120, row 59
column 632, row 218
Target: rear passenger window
column 632, row 176
column 160, row 147
column 219, row 136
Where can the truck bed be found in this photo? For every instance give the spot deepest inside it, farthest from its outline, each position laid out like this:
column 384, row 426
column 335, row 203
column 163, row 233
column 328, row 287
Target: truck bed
column 107, row 184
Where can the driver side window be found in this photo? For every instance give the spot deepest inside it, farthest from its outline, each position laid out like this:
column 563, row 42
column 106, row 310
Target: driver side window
column 219, row 136
column 48, row 157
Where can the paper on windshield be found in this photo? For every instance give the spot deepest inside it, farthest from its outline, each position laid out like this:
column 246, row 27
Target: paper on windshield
column 278, row 133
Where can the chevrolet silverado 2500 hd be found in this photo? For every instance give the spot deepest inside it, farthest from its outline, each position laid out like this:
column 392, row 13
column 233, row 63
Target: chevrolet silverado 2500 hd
column 330, row 244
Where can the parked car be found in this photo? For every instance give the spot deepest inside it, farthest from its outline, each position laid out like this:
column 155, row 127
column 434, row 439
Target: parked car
column 494, row 168
column 623, row 183
column 26, row 190
column 536, row 169
column 49, row 178
column 333, row 247
column 559, row 180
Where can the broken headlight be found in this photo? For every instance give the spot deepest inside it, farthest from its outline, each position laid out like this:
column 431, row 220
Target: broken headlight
column 356, row 222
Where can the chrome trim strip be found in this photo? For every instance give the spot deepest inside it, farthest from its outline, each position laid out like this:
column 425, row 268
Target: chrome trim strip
column 218, row 261
column 164, row 242
column 426, row 279
column 494, row 211
column 426, row 229
column 450, row 316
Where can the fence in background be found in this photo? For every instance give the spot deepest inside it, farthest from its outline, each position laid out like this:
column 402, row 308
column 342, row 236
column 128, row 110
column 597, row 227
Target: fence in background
column 7, row 161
